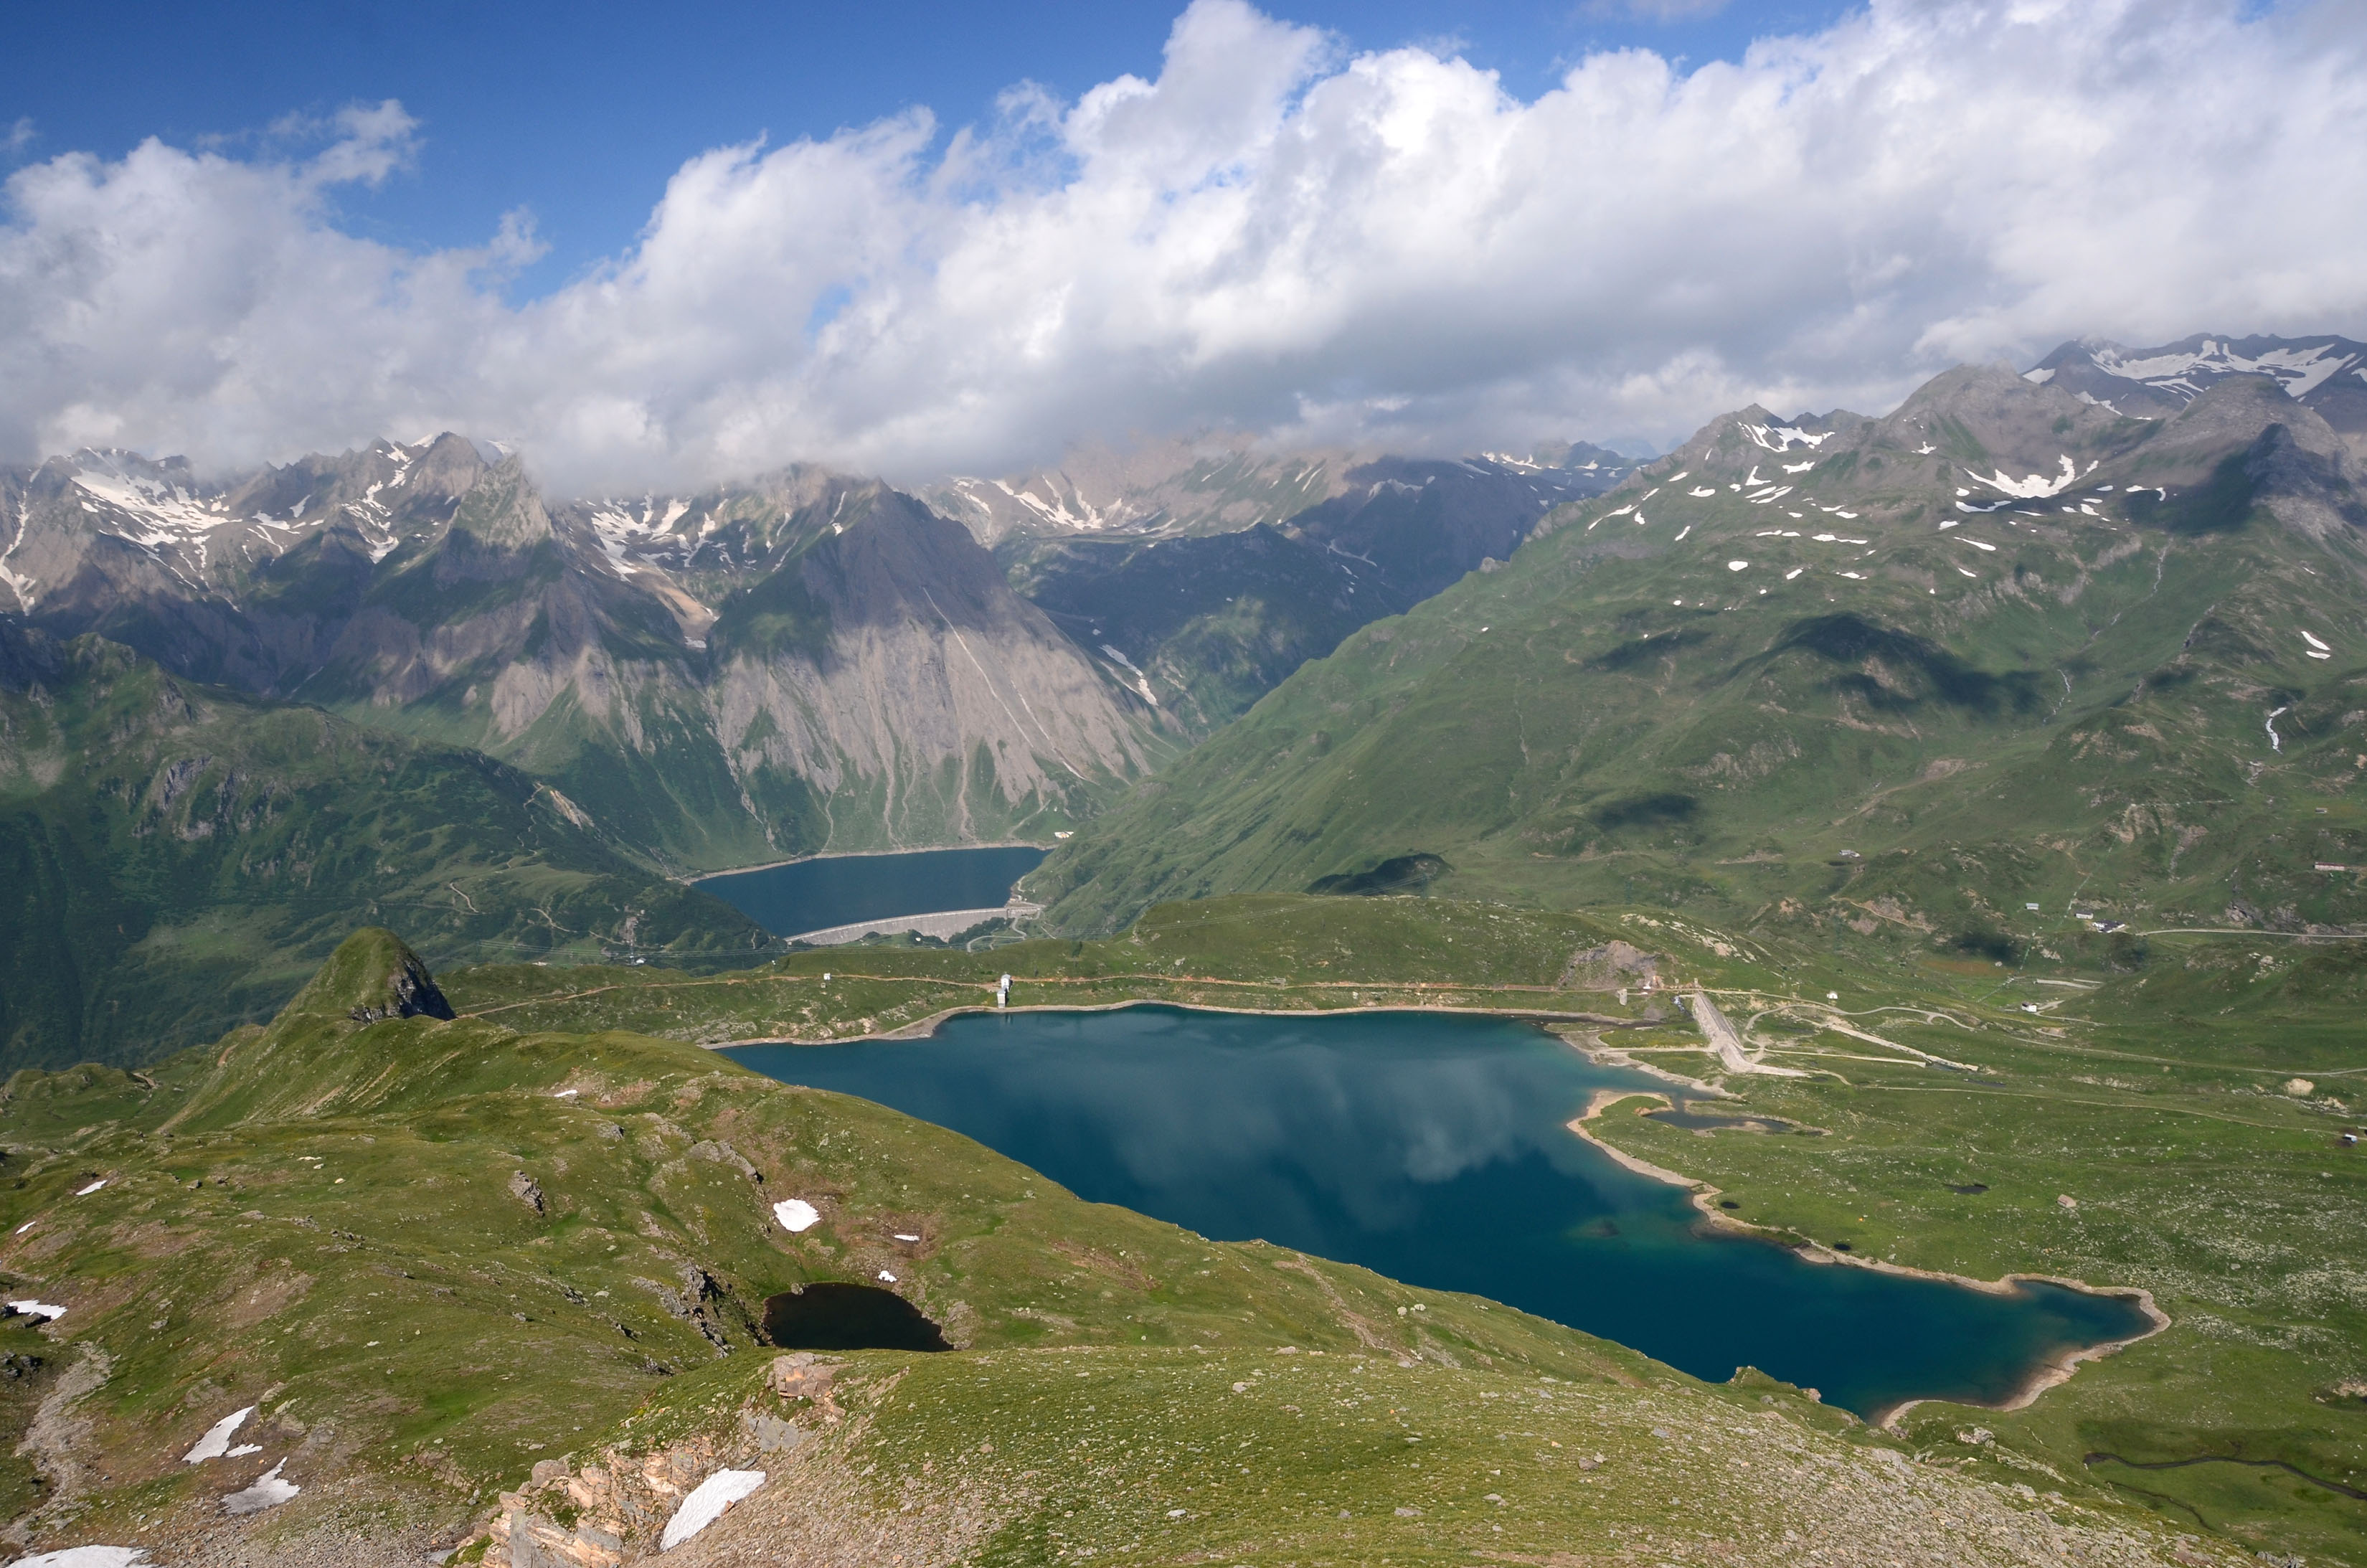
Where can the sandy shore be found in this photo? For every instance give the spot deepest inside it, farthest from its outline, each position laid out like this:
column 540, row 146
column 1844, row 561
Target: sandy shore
column 1602, row 1055
column 2045, row 1375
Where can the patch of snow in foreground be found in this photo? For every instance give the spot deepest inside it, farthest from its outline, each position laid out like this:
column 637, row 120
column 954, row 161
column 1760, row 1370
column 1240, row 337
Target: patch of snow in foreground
column 38, row 1309
column 94, row 1186
column 1737, row 565
column 705, row 1503
column 796, row 1215
column 215, row 1444
column 269, row 1492
column 2314, row 642
column 89, row 1557
column 1793, row 573
column 887, row 1277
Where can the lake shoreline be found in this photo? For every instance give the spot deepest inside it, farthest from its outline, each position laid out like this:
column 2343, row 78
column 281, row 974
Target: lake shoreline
column 2051, row 1372
column 922, row 1029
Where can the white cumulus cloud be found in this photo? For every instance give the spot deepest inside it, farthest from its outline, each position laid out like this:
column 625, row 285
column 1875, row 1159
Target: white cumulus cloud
column 1273, row 234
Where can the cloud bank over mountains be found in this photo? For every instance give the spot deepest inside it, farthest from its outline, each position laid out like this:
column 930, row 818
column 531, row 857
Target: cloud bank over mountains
column 1276, row 234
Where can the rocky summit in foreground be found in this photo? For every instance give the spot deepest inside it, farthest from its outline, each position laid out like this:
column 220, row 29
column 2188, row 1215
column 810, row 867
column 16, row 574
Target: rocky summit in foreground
column 372, row 1286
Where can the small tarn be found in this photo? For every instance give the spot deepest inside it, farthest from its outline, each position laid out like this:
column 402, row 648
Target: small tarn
column 848, row 1317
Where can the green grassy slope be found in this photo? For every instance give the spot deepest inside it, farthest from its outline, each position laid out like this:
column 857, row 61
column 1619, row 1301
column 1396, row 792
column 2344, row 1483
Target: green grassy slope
column 472, row 1277
column 1827, row 707
column 2193, row 1109
column 2203, row 1159
column 177, row 858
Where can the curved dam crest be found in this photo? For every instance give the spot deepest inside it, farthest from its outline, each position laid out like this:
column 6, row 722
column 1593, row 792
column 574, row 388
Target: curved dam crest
column 832, row 898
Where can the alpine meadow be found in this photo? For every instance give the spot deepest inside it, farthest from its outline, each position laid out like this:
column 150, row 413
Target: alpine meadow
column 1512, row 934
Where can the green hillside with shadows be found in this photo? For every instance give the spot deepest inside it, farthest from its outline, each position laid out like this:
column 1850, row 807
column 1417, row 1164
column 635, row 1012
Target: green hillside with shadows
column 1909, row 675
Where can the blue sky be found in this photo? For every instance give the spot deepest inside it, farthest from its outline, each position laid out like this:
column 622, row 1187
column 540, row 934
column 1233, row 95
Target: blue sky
column 578, row 113
column 1425, row 228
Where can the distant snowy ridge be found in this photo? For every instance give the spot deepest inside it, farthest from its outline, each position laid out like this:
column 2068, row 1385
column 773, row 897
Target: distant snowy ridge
column 2328, row 375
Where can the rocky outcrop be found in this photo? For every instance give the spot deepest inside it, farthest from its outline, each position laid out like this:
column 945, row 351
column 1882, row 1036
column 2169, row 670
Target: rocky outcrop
column 411, row 993
column 1614, row 966
column 612, row 1509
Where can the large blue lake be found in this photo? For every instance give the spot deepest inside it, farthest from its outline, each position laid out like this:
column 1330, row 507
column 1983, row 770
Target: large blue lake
column 1434, row 1149
column 840, row 889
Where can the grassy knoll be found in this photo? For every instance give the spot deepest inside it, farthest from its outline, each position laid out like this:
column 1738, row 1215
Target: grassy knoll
column 438, row 1255
column 2161, row 1102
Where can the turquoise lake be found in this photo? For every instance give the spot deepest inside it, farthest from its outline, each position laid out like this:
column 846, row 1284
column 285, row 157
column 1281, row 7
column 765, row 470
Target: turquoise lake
column 839, row 890
column 1433, row 1149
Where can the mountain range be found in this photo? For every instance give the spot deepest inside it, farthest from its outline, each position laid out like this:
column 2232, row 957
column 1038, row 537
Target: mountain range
column 1953, row 675
column 2325, row 375
column 1814, row 669
column 802, row 663
column 805, row 662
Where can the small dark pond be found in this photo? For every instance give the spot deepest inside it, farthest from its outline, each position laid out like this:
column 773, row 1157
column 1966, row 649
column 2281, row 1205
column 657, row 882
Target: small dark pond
column 1433, row 1148
column 848, row 1317
column 839, row 890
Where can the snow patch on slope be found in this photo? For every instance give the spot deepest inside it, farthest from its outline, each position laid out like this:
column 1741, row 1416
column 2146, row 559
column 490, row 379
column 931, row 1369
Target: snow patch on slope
column 2030, row 487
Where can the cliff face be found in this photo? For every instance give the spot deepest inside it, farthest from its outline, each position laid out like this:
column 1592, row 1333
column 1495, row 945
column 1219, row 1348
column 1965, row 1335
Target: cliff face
column 917, row 686
column 805, row 662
